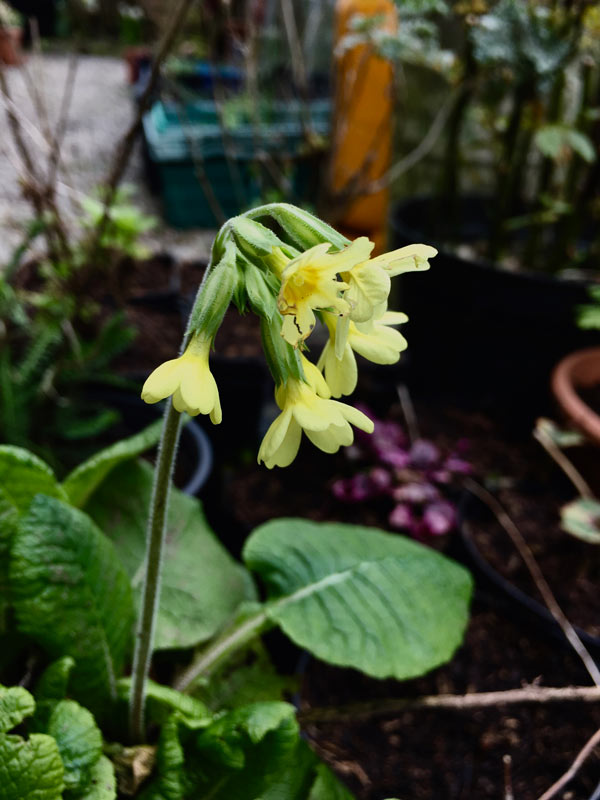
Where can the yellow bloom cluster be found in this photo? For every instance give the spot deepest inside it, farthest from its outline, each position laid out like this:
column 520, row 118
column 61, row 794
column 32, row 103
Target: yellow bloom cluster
column 340, row 285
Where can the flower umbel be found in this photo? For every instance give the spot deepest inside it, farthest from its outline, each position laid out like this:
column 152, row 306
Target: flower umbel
column 310, row 282
column 190, row 381
column 305, row 407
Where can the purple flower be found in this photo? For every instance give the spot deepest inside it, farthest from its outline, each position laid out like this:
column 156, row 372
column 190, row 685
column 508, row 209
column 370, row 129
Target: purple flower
column 424, row 454
column 458, row 465
column 415, row 493
column 353, row 490
column 439, row 517
column 401, row 517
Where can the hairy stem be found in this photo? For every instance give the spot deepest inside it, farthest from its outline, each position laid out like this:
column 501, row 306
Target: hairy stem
column 154, row 552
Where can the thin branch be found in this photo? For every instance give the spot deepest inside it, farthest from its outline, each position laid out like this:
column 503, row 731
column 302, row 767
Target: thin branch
column 508, row 784
column 564, row 463
column 451, row 702
column 63, row 119
column 583, row 754
column 125, row 148
column 537, row 575
column 408, row 410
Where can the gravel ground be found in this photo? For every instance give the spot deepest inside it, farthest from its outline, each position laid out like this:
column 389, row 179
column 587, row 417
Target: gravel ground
column 101, row 110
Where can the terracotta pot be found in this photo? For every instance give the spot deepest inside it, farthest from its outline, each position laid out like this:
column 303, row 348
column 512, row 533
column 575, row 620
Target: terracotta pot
column 580, row 370
column 10, row 46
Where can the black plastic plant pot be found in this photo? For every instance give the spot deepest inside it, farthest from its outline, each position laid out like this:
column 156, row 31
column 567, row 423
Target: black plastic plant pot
column 498, row 591
column 195, row 454
column 479, row 334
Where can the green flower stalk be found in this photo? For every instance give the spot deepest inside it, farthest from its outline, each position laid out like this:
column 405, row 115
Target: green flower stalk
column 308, row 274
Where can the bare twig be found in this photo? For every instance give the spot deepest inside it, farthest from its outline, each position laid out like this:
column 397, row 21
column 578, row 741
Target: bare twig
column 508, row 785
column 564, row 463
column 536, row 573
column 63, row 119
column 408, row 410
column 583, row 754
column 450, row 702
column 125, row 148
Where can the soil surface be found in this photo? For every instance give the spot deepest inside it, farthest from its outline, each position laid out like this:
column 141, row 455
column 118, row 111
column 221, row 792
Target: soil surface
column 448, row 754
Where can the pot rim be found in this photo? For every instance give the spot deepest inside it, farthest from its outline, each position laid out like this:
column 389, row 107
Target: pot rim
column 580, row 369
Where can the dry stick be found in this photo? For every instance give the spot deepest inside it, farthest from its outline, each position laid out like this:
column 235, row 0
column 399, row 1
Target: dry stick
column 564, row 463
column 583, row 754
column 537, row 575
column 63, row 119
column 455, row 702
column 126, row 147
column 408, row 411
column 508, row 785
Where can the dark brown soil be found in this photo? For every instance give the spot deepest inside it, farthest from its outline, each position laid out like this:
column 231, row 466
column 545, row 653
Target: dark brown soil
column 458, row 755
column 420, row 755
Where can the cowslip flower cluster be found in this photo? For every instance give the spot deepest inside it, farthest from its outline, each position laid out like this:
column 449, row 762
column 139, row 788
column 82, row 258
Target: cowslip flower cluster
column 414, row 476
column 307, row 274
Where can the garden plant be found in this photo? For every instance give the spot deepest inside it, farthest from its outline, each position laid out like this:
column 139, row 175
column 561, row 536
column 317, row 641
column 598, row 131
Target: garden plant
column 78, row 566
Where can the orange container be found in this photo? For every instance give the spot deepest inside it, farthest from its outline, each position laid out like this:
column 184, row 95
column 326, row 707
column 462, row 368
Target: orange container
column 363, row 108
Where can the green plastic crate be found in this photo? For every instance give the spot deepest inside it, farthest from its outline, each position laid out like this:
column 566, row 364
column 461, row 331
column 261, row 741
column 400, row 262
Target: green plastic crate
column 183, row 140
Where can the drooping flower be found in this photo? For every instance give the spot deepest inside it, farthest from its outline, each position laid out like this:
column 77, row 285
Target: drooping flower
column 305, row 406
column 310, row 281
column 369, row 281
column 190, row 381
column 376, row 341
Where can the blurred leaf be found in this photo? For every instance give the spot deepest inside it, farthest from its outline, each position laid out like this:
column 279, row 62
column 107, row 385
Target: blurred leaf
column 559, row 437
column 163, row 701
column 554, row 140
column 102, row 784
column 54, row 680
column 23, row 475
column 85, row 479
column 202, row 585
column 16, row 704
column 72, row 595
column 581, row 518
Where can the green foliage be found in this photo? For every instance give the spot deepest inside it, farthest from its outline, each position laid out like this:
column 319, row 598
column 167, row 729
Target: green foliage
column 29, row 768
column 252, row 753
column 559, row 141
column 126, row 223
column 79, row 742
column 201, row 584
column 54, row 680
column 72, row 595
column 85, row 479
column 588, row 316
column 359, row 597
column 581, row 518
column 23, row 475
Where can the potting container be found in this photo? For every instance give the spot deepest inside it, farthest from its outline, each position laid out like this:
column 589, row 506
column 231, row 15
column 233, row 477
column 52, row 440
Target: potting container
column 192, row 157
column 579, row 371
column 481, row 334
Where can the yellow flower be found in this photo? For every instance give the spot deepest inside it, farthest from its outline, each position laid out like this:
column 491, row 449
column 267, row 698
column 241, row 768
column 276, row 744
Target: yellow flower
column 376, row 341
column 310, row 281
column 190, row 381
column 369, row 282
column 305, row 407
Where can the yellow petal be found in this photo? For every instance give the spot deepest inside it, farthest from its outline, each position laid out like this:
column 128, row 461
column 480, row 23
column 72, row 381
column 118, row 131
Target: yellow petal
column 161, row 382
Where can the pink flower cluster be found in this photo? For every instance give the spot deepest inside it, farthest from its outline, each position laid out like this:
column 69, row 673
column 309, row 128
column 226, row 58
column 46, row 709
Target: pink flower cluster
column 415, row 476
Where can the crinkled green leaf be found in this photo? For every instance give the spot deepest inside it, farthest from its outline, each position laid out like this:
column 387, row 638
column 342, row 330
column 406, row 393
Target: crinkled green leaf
column 163, row 701
column 79, row 741
column 72, row 595
column 15, row 705
column 328, row 787
column 248, row 677
column 85, row 479
column 102, row 782
column 581, row 518
column 202, row 585
column 30, row 769
column 23, row 475
column 55, row 679
column 9, row 517
column 359, row 597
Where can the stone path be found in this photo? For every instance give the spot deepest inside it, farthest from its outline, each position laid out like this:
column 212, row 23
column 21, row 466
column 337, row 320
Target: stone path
column 101, row 111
